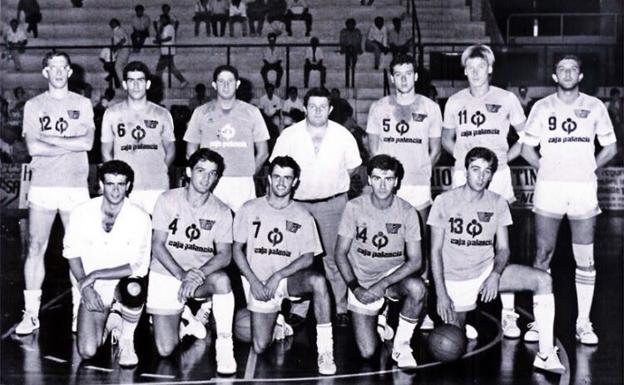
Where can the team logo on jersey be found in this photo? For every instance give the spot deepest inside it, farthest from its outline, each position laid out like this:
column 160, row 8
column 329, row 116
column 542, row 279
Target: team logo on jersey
column 418, row 117
column 402, row 127
column 569, row 125
column 484, row 216
column 292, row 226
column 73, row 114
column 192, row 232
column 206, row 224
column 380, row 240
column 138, row 133
column 474, row 228
column 275, row 236
column 477, row 118
column 151, row 123
column 493, row 107
column 227, row 132
column 393, row 228
column 583, row 114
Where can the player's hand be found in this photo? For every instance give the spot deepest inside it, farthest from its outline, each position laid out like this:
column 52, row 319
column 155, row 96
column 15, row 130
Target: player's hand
column 364, row 295
column 88, row 280
column 194, row 275
column 378, row 290
column 187, row 290
column 270, row 287
column 91, row 299
column 489, row 287
column 258, row 291
column 446, row 310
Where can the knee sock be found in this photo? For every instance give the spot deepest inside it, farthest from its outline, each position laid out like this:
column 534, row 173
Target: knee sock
column 405, row 330
column 129, row 321
column 585, row 282
column 223, row 313
column 32, row 301
column 544, row 311
column 508, row 300
column 324, row 338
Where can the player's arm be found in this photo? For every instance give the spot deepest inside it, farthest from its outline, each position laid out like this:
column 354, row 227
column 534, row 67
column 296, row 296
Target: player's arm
column 304, row 261
column 445, row 306
column 261, row 154
column 162, row 255
column 373, row 144
column 107, row 151
column 89, row 297
column 37, row 147
column 221, row 259
column 170, row 152
column 529, row 153
column 191, row 148
column 516, row 148
column 256, row 286
column 489, row 288
column 117, row 272
column 448, row 139
column 435, row 149
column 73, row 144
column 411, row 265
column 606, row 154
column 343, row 244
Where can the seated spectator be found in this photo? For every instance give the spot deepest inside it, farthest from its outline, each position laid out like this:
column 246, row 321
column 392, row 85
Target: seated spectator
column 166, row 10
column 32, row 15
column 121, row 51
column 313, row 61
column 95, row 154
column 614, row 106
column 292, row 110
column 238, row 14
column 272, row 59
column 351, row 47
column 202, row 14
column 298, row 10
column 525, row 100
column 108, row 57
column 140, row 28
column 219, row 10
column 256, row 13
column 377, row 40
column 15, row 39
column 166, row 39
column 271, row 107
column 199, row 98
column 399, row 39
column 276, row 12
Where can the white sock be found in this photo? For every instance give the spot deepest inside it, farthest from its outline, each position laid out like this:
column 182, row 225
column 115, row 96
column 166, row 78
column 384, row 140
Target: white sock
column 32, row 301
column 585, row 282
column 405, row 330
column 75, row 300
column 129, row 321
column 508, row 300
column 324, row 338
column 544, row 311
column 223, row 313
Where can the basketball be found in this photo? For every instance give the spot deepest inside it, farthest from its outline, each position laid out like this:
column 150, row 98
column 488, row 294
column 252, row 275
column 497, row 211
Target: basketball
column 242, row 325
column 447, row 343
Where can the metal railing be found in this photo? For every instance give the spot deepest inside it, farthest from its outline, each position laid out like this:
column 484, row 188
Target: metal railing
column 562, row 25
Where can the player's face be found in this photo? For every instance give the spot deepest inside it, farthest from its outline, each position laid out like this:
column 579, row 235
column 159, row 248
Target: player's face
column 383, row 183
column 57, row 72
column 567, row 74
column 317, row 111
column 226, row 85
column 477, row 71
column 479, row 174
column 403, row 77
column 136, row 84
column 114, row 188
column 282, row 180
column 203, row 175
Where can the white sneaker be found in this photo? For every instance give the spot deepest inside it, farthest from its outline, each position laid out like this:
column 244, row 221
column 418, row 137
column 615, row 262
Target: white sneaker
column 427, row 323
column 192, row 327
column 203, row 314
column 585, row 333
column 549, row 363
column 385, row 331
column 471, row 332
column 28, row 324
column 531, row 335
column 326, row 363
column 282, row 329
column 226, row 364
column 509, row 324
column 113, row 326
column 402, row 355
column 127, row 355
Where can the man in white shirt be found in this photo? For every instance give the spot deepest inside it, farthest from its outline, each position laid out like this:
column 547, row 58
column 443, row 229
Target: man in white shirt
column 271, row 107
column 120, row 41
column 166, row 38
column 272, row 58
column 140, row 28
column 16, row 40
column 377, row 40
column 298, row 10
column 314, row 61
column 293, row 109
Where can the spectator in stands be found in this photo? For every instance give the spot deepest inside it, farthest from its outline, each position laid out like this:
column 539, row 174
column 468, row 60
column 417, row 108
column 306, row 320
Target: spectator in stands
column 292, row 110
column 363, row 2
column 298, row 10
column 220, row 10
column 166, row 39
column 256, row 13
column 166, row 10
column 15, row 39
column 399, row 38
column 108, row 57
column 314, row 61
column 525, row 101
column 272, row 59
column 377, row 40
column 95, row 154
column 140, row 28
column 15, row 114
column 238, row 14
column 276, row 12
column 202, row 14
column 32, row 15
column 614, row 106
column 351, row 47
column 199, row 98
column 271, row 107
column 120, row 40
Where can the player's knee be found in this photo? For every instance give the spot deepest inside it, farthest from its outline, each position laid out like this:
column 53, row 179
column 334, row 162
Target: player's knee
column 543, row 282
column 584, row 256
column 132, row 292
column 221, row 282
column 367, row 351
column 165, row 346
column 36, row 247
column 318, row 283
column 415, row 288
column 260, row 344
column 87, row 348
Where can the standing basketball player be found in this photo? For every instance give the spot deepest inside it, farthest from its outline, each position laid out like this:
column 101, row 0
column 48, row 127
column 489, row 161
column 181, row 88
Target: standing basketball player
column 378, row 253
column 565, row 125
column 140, row 133
column 281, row 240
column 192, row 244
column 470, row 251
column 59, row 129
column 234, row 129
column 480, row 115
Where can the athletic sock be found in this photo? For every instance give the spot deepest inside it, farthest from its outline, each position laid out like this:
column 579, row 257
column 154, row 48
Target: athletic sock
column 129, row 321
column 508, row 300
column 223, row 313
column 585, row 282
column 404, row 330
column 32, row 301
column 324, row 338
column 544, row 311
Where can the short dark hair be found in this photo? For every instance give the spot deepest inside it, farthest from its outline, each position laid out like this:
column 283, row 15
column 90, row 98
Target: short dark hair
column 482, row 153
column 139, row 7
column 569, row 57
column 385, row 162
column 117, row 167
column 209, row 155
column 136, row 66
column 200, row 87
column 401, row 59
column 114, row 21
column 52, row 54
column 109, row 94
column 321, row 92
column 224, row 68
column 612, row 92
column 272, row 35
column 285, row 161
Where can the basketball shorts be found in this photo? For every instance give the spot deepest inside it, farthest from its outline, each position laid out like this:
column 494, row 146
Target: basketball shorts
column 57, row 198
column 272, row 306
column 417, row 196
column 464, row 294
column 235, row 191
column 106, row 289
column 162, row 294
column 145, row 199
column 372, row 308
column 577, row 200
column 500, row 184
